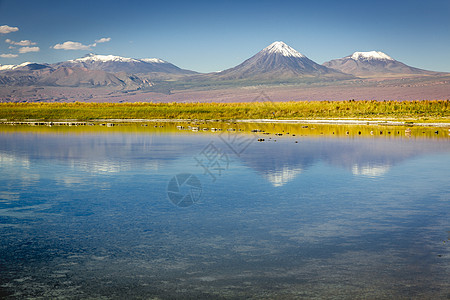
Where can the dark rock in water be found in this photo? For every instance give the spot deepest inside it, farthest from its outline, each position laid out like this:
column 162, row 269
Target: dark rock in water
column 437, row 132
column 260, row 140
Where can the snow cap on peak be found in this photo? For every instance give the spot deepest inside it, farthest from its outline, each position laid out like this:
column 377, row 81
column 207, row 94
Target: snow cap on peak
column 153, row 60
column 371, row 55
column 92, row 57
column 283, row 49
column 104, row 58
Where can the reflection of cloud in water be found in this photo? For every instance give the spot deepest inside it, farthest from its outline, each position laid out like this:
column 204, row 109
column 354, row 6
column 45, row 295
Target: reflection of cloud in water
column 283, row 176
column 11, row 159
column 100, row 153
column 30, row 211
column 110, row 166
column 370, row 171
column 15, row 166
column 7, row 197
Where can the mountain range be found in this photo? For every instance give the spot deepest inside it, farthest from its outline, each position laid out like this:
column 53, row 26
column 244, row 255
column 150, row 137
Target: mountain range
column 278, row 63
column 114, row 64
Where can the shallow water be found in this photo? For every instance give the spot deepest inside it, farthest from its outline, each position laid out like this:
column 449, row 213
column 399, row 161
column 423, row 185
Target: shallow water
column 98, row 214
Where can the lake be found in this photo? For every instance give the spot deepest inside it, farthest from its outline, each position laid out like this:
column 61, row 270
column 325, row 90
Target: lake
column 170, row 210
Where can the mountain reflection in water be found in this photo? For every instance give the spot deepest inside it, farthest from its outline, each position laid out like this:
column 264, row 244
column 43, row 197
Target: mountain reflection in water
column 88, row 216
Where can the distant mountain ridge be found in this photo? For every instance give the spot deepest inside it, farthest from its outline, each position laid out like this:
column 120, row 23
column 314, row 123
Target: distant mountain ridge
column 112, row 63
column 71, row 77
column 278, row 61
column 274, row 65
column 373, row 63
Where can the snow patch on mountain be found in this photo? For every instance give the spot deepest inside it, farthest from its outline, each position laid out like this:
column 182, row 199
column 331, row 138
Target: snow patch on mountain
column 153, row 60
column 13, row 67
column 6, row 67
column 113, row 58
column 103, row 58
column 377, row 55
column 283, row 49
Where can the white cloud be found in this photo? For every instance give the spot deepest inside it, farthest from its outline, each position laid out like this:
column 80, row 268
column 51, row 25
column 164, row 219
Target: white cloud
column 69, row 45
column 103, row 40
column 11, row 47
column 8, row 29
column 21, row 43
column 9, row 55
column 29, row 49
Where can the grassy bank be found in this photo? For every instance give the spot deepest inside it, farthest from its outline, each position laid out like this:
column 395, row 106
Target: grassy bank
column 435, row 110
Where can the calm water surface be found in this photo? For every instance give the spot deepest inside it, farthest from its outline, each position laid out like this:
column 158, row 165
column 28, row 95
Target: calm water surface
column 89, row 215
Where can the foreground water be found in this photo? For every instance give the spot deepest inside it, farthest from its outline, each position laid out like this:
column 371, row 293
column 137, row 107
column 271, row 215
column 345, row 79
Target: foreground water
column 105, row 214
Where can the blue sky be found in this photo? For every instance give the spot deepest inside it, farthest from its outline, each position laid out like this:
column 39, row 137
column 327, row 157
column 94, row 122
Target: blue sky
column 214, row 35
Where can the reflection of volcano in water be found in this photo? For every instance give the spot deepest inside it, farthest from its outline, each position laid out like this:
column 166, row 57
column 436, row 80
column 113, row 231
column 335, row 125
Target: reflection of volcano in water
column 278, row 162
column 101, row 153
column 280, row 178
column 282, row 161
column 370, row 171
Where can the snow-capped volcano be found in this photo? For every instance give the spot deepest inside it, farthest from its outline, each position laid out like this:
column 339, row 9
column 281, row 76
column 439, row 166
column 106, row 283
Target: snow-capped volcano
column 281, row 48
column 113, row 63
column 372, row 63
column 278, row 61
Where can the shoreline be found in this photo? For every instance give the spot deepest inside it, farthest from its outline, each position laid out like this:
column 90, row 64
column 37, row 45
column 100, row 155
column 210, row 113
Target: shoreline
column 71, row 122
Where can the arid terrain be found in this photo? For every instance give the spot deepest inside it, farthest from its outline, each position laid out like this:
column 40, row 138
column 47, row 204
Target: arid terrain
column 413, row 88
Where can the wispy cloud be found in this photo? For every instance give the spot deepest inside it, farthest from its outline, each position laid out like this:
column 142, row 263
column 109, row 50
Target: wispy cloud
column 4, row 29
column 103, row 40
column 21, row 43
column 9, row 55
column 69, row 45
column 29, row 49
